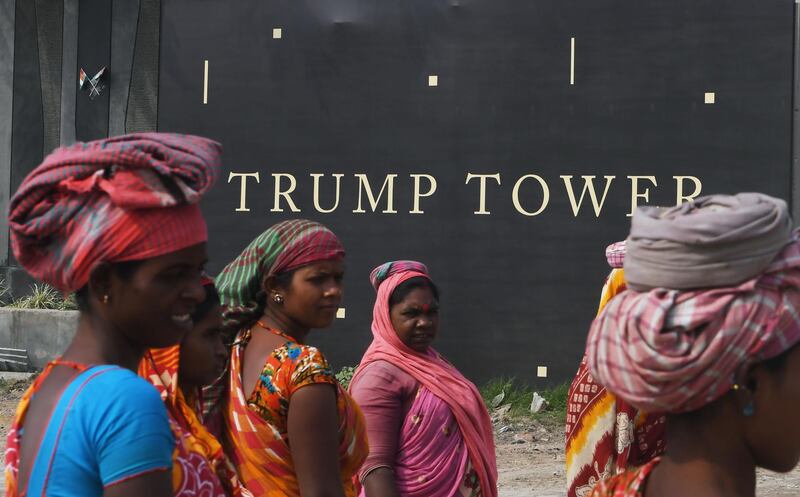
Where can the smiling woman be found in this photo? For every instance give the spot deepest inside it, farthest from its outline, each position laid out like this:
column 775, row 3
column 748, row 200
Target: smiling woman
column 116, row 221
column 287, row 282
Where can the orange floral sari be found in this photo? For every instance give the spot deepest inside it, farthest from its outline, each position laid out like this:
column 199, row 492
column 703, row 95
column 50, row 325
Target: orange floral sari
column 256, row 424
column 630, row 483
column 200, row 468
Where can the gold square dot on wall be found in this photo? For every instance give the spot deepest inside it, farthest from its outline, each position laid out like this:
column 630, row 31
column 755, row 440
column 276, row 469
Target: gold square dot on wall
column 433, row 80
column 277, row 33
column 340, row 313
column 711, row 97
column 541, row 372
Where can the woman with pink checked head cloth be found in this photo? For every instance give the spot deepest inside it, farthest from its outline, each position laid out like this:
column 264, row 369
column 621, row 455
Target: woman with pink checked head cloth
column 707, row 333
column 429, row 432
column 118, row 222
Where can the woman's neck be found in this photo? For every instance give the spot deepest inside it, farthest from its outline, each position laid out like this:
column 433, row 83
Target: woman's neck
column 284, row 324
column 705, row 457
column 190, row 392
column 97, row 342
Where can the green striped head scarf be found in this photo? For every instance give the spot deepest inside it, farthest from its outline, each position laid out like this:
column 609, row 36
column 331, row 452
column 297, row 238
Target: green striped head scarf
column 282, row 247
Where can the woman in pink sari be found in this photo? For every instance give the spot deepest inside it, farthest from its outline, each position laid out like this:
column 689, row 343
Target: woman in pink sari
column 430, row 434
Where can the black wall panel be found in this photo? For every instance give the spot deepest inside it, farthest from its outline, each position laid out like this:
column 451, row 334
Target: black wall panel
column 27, row 121
column 345, row 90
column 50, row 24
column 94, row 52
column 125, row 18
column 7, row 18
column 142, row 111
column 69, row 71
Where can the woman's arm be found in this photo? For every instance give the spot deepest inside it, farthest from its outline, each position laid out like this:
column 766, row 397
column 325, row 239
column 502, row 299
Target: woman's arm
column 313, row 427
column 380, row 483
column 155, row 484
column 382, row 391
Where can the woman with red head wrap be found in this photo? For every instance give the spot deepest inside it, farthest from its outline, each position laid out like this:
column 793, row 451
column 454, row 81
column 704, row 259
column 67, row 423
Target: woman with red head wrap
column 707, row 332
column 116, row 221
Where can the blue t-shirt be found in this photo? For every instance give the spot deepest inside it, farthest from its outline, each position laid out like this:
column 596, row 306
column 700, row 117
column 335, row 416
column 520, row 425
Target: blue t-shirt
column 108, row 426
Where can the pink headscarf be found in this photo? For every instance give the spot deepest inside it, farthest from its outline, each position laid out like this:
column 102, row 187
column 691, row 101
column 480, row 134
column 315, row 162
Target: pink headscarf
column 615, row 254
column 433, row 372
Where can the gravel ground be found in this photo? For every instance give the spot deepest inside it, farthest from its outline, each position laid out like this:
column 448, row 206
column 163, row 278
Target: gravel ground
column 530, row 461
column 530, row 455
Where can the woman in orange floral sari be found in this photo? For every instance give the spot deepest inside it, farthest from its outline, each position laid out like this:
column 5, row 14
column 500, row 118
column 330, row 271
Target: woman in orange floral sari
column 200, row 468
column 291, row 427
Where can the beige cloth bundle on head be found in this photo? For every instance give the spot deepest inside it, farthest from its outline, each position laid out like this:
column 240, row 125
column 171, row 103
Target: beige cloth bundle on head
column 714, row 241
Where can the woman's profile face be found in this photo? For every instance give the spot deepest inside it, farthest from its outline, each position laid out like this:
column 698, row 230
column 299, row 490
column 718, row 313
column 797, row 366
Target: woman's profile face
column 203, row 352
column 416, row 319
column 773, row 432
column 153, row 306
column 314, row 294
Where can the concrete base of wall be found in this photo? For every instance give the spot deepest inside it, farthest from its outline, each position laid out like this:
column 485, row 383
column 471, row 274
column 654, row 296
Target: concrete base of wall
column 43, row 334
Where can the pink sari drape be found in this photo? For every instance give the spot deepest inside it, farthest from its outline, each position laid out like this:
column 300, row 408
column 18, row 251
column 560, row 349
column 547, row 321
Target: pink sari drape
column 443, row 381
column 432, row 458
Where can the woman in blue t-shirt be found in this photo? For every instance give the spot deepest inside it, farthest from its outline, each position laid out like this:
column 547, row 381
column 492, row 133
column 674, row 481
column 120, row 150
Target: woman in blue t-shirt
column 117, row 222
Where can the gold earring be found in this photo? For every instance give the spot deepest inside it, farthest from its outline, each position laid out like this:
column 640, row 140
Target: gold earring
column 105, row 299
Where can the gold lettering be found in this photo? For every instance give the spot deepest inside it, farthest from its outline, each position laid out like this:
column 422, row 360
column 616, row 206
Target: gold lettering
column 243, row 190
column 316, row 192
column 286, row 194
column 698, row 187
column 588, row 184
column 482, row 178
column 418, row 195
column 388, row 186
column 635, row 195
column 545, row 195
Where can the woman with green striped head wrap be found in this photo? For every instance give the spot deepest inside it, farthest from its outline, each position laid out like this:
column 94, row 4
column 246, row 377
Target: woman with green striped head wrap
column 274, row 253
column 285, row 283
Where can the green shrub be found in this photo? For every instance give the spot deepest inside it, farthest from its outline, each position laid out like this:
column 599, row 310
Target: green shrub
column 5, row 293
column 44, row 296
column 345, row 375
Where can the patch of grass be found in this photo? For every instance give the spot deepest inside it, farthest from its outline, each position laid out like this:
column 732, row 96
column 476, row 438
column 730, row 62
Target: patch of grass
column 44, row 296
column 513, row 392
column 345, row 375
column 520, row 395
column 10, row 386
column 5, row 293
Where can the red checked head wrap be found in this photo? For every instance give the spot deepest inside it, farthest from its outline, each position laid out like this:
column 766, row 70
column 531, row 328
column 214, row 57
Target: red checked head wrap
column 670, row 350
column 125, row 198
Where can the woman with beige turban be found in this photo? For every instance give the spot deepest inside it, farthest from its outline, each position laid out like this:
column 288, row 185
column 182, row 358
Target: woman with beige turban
column 707, row 333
